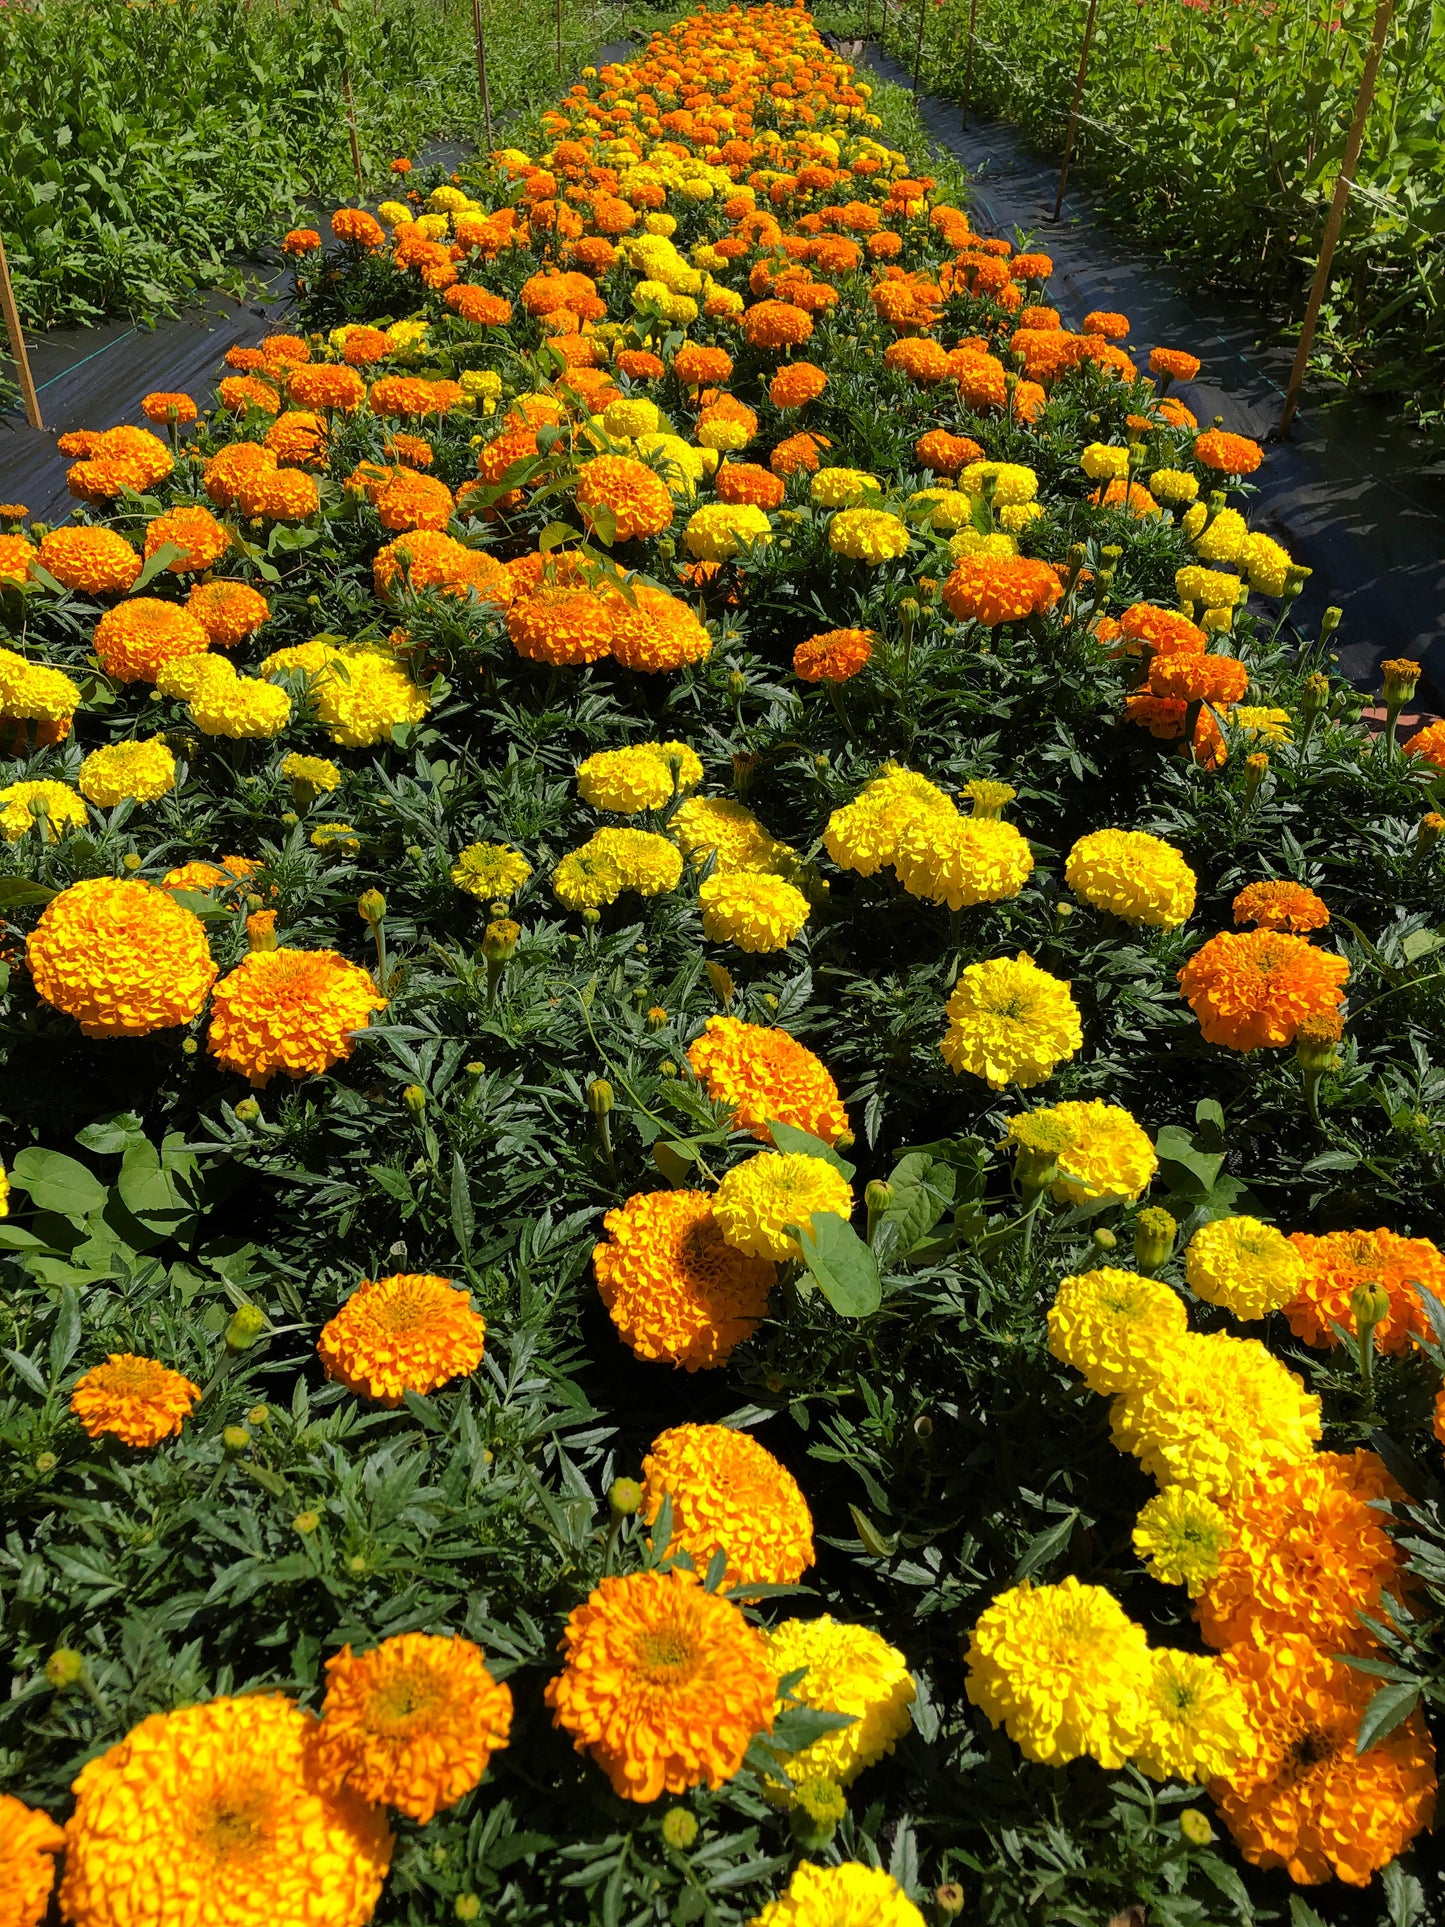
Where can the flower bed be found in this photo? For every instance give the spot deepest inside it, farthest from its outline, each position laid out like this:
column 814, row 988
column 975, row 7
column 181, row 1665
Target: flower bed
column 723, row 1150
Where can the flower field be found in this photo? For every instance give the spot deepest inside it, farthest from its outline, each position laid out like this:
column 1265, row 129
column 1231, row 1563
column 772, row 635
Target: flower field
column 724, row 1157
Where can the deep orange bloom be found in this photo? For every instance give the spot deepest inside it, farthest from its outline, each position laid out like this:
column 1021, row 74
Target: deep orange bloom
column 29, row 1842
column 1192, row 679
column 295, row 1011
column 945, row 453
column 1256, row 989
column 751, row 483
column 1164, row 630
column 140, row 1401
column 1338, row 1263
column 676, row 1290
column 1173, row 362
column 1281, row 906
column 401, row 1334
column 796, row 384
column 729, row 1495
column 833, row 656
column 1230, row 454
column 993, row 589
column 763, row 1075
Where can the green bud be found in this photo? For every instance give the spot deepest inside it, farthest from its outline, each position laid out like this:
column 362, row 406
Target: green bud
column 414, row 1098
column 1104, row 1238
column 1329, row 622
column 1195, row 1828
column 948, row 1899
column 737, row 683
column 130, row 860
column 624, row 1498
column 371, row 906
column 306, row 1523
column 65, row 1668
column 247, row 1322
column 248, row 1110
column 599, row 1097
column 679, row 1829
column 818, row 1806
column 475, row 1069
column 1154, row 1234
column 1370, row 1306
column 878, row 1196
column 657, row 1018
column 499, row 940
column 45, row 1462
column 259, row 1415
column 466, row 1907
column 236, row 1439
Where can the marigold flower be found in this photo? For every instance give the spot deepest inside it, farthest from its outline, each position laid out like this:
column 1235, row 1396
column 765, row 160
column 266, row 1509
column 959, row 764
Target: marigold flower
column 863, row 835
column 195, row 532
column 140, row 1401
column 214, row 1813
column 97, row 561
column 675, row 1289
column 643, row 776
column 295, row 1011
column 120, row 957
column 1010, row 1022
column 996, row 589
column 1280, row 906
column 561, row 626
column 756, row 912
column 489, row 870
column 834, row 656
column 727, row 831
column 763, row 1074
column 119, row 459
column 587, row 879
column 850, row 1669
column 748, row 483
column 796, row 384
column 1181, row 1536
column 1164, row 630
column 238, row 393
column 406, row 1333
column 1101, row 1151
column 161, row 407
column 730, row 1495
column 1063, row 1669
column 946, row 453
column 140, row 772
column 644, row 861
column 1195, row 1722
column 1307, row 1800
column 1338, row 1263
column 355, row 225
column 1428, row 744
column 30, row 1841
column 228, row 611
column 868, row 535
column 776, row 324
column 1249, row 1267
column 664, row 1684
column 637, row 500
column 771, row 1190
column 137, row 637
column 1192, row 679
column 722, row 530
column 961, row 860
column 360, row 695
column 796, row 452
column 324, row 386
column 1133, row 875
column 850, row 1895
column 24, row 804
column 1112, row 1326
column 1173, row 363
column 1230, row 454
column 1256, row 989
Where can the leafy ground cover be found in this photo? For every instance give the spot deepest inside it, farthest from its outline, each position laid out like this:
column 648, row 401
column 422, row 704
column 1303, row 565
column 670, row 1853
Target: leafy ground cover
column 1213, row 133
column 723, row 1137
column 149, row 143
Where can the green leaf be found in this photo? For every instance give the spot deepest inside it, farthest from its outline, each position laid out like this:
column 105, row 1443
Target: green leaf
column 65, row 1336
column 109, row 1136
column 463, row 1217
column 923, row 1189
column 788, row 1137
column 871, row 1539
column 845, row 1269
column 16, row 891
column 146, row 1189
column 1188, row 1171
column 1042, row 1547
column 1301, row 1914
column 1227, row 1881
column 1389, row 1707
column 58, row 1183
column 167, row 553
column 674, row 1160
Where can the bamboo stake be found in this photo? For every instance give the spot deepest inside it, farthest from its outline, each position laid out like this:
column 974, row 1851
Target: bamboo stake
column 17, row 344
column 482, row 66
column 968, row 61
column 559, row 39
column 1334, row 221
column 351, row 129
column 918, row 50
column 1074, row 110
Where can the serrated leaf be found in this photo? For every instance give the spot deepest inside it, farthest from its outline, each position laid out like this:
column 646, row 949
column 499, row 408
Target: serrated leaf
column 167, row 553
column 844, row 1269
column 788, row 1137
column 1390, row 1706
column 463, row 1216
column 1227, row 1881
column 1045, row 1544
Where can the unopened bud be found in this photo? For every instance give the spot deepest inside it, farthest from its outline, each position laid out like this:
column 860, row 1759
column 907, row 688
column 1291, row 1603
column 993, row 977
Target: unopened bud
column 599, row 1097
column 591, row 916
column 64, row 1668
column 624, row 1498
column 130, row 860
column 1195, row 1828
column 499, row 940
column 261, row 930
column 246, row 1324
column 1370, row 1306
column 248, row 1110
column 737, row 683
column 45, row 1462
column 306, row 1523
column 1315, row 1041
column 414, row 1098
column 1329, row 622
column 1401, row 677
column 679, row 1829
column 1432, row 828
column 371, row 906
column 818, row 1806
column 878, row 1196
column 1154, row 1234
column 236, row 1439
column 657, row 1018
column 189, row 1047
column 1104, row 1238
column 467, row 1906
column 948, row 1899
column 1256, row 768
column 259, row 1415
column 1315, row 696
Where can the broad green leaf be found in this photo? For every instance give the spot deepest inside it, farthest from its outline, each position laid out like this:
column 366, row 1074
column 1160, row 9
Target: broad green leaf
column 167, row 553
column 844, row 1268
column 788, row 1137
column 1188, row 1171
column 58, row 1183
column 17, row 891
column 673, row 1159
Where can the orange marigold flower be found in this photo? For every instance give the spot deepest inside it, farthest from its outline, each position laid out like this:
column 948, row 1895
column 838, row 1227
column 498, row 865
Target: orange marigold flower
column 945, row 453
column 1281, row 906
column 638, row 364
column 289, row 1010
column 279, row 495
column 1102, row 321
column 140, row 1401
column 764, row 1074
column 364, row 346
column 1256, row 989
column 324, row 385
column 1230, row 454
column 796, row 452
column 751, row 483
column 115, row 460
column 656, row 632
column 407, row 500
column 1310, row 1552
column 1117, row 495
column 636, row 499
column 425, row 559
column 355, row 225
column 1337, row 1264
column 833, row 656
column 561, row 626
column 1031, row 267
column 1428, row 744
column 922, row 359
column 406, row 1333
column 200, row 875
column 796, row 384
column 161, row 406
column 247, row 360
column 1166, row 719
column 402, row 395
column 195, row 532
column 94, row 560
column 17, row 553
column 677, row 1292
column 729, row 1495
column 412, row 451
column 232, row 467
column 1307, row 1801
column 1164, row 630
column 301, row 240
column 664, row 1684
column 696, row 366
column 228, row 611
column 1193, row 679
column 298, row 436
column 1173, row 362
column 121, row 957
column 776, row 324
column 411, row 1724
column 994, row 589
column 29, row 1842
column 239, row 392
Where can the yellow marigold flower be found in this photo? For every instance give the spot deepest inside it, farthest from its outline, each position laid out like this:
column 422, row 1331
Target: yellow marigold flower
column 727, row 831
column 360, row 696
column 138, row 772
column 1181, row 1536
column 1111, row 1325
column 1217, row 538
column 1248, row 1267
column 850, row 1669
column 187, row 676
column 241, row 707
column 851, row 1895
column 121, row 957
column 1213, row 1412
column 627, row 418
column 683, row 466
column 646, row 862
column 490, row 870
column 969, row 542
column 643, row 776
column 213, row 1813
column 756, row 912
column 1013, row 485
column 1010, row 1023
column 340, row 836
column 1274, row 725
column 721, row 530
column 842, row 488
column 406, row 1333
column 763, row 1074
column 29, row 1842
column 771, row 1189
column 587, row 879
column 1309, row 1553
column 1196, row 1726
column 729, row 1495
column 868, row 535
column 411, row 1724
column 1174, row 487
column 140, row 1401
column 1064, row 1670
column 1268, row 566
column 676, row 1290
column 1136, row 876
column 1102, row 1152
column 56, row 805
column 289, row 1010
column 961, row 860
column 664, row 1684
column 1102, row 462
column 318, row 773
column 1210, row 588
column 863, row 835
column 34, row 692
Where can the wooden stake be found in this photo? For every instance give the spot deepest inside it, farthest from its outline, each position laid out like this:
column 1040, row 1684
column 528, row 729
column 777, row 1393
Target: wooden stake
column 867, row 19
column 351, row 129
column 968, row 61
column 482, row 66
column 918, row 50
column 17, row 344
column 1334, row 220
column 1074, row 110
column 559, row 39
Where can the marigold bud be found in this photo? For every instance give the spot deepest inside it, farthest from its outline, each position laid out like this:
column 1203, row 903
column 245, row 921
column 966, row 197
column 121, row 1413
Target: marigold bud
column 1401, row 677
column 130, row 860
column 1329, row 622
column 466, row 1906
column 656, row 1018
column 248, row 1110
column 45, row 1462
column 1369, row 1306
column 818, row 1806
column 624, row 1497
column 499, row 940
column 306, row 1523
column 1195, row 1828
column 599, row 1097
column 1315, row 1042
column 1154, row 1234
column 247, row 1322
column 235, row 1439
column 1432, row 828
column 64, row 1668
column 1315, row 696
column 948, row 1899
column 259, row 1415
column 737, row 683
column 878, row 1196
column 261, row 930
column 1104, row 1238
column 371, row 906
column 679, row 1829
